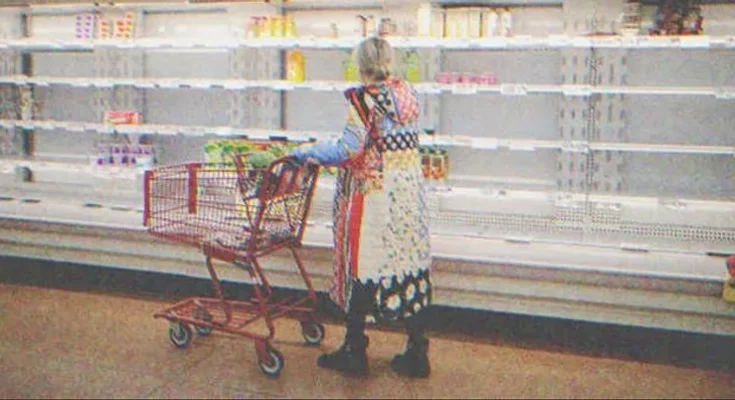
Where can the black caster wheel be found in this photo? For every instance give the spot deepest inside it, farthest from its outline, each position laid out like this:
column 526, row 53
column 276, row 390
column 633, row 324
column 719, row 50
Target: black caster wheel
column 273, row 365
column 179, row 334
column 204, row 315
column 313, row 332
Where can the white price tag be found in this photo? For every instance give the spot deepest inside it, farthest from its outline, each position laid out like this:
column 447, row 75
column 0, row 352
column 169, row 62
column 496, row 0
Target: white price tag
column 577, row 90
column 513, row 90
column 647, row 42
column 166, row 130
column 200, row 85
column 146, row 85
column 431, row 88
column 559, row 41
column 729, row 42
column 695, row 42
column 464, row 88
column 608, row 42
column 75, row 128
column 168, row 84
column 125, row 45
column 441, row 140
column 235, row 85
column 575, row 147
column 322, row 87
column 283, row 86
column 522, row 145
column 628, row 41
column 724, row 93
column 518, row 41
column 485, row 143
column 581, row 42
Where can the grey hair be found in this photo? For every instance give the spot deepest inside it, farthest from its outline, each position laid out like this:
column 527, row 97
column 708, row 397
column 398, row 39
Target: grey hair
column 374, row 58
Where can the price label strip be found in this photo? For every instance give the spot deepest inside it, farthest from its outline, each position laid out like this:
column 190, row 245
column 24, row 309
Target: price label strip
column 695, row 42
column 513, row 90
column 577, row 90
column 725, row 93
column 464, row 88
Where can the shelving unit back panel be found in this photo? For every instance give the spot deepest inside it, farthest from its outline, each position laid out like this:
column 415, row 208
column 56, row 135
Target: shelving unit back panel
column 61, row 27
column 539, row 67
column 691, row 177
column 491, row 115
column 512, row 170
column 66, row 104
column 681, row 120
column 196, row 25
column 680, row 68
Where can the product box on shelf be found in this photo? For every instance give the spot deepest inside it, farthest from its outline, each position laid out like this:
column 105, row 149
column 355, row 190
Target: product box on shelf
column 85, row 24
column 122, row 118
column 430, row 21
column 119, row 151
column 260, row 27
column 728, row 287
column 434, row 162
column 450, row 78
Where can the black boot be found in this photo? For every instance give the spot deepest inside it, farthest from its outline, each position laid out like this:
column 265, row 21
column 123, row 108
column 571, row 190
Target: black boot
column 352, row 355
column 414, row 362
column 350, row 358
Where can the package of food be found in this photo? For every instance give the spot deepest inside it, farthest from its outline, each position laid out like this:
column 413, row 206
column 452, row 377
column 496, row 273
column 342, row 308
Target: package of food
column 85, row 26
column 434, row 162
column 122, row 118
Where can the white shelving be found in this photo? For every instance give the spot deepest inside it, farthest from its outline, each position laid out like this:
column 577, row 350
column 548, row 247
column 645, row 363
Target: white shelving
column 344, row 43
column 509, row 89
column 597, row 134
column 483, row 143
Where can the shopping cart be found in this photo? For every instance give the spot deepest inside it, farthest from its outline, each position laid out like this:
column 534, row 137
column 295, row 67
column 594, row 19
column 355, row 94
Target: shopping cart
column 237, row 215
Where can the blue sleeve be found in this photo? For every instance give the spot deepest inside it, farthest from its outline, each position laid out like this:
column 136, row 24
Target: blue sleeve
column 333, row 151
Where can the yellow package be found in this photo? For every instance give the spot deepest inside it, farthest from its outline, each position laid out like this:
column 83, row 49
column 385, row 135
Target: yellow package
column 728, row 290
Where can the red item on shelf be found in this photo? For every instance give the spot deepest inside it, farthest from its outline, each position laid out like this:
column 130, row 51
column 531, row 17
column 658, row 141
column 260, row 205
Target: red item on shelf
column 122, row 118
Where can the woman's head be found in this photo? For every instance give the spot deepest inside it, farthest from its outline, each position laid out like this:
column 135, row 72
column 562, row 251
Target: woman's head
column 374, row 58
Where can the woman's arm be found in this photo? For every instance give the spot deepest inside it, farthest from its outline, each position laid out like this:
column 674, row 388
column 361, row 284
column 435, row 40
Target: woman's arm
column 340, row 150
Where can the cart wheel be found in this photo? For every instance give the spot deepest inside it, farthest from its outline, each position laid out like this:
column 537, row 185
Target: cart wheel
column 204, row 315
column 180, row 334
column 273, row 366
column 313, row 332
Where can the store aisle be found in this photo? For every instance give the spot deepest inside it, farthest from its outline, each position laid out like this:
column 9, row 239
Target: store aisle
column 65, row 344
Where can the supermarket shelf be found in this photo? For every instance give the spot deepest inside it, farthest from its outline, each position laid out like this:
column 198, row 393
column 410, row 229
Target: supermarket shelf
column 664, row 290
column 509, row 89
column 495, row 43
column 174, row 7
column 477, row 143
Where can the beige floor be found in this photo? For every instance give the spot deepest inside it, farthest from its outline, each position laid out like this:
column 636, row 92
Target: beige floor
column 64, row 344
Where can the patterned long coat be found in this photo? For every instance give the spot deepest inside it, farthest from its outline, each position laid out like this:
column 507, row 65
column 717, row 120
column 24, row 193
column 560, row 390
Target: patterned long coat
column 381, row 232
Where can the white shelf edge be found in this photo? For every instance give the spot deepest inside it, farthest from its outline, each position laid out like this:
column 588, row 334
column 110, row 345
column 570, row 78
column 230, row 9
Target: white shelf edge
column 508, row 89
column 456, row 140
column 488, row 43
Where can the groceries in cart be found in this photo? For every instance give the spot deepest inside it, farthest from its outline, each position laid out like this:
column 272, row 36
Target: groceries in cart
column 262, row 152
column 237, row 211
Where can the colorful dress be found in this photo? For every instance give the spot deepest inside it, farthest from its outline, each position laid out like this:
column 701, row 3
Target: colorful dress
column 381, row 232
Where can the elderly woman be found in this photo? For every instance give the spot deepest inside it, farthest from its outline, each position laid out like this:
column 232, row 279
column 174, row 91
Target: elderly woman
column 381, row 235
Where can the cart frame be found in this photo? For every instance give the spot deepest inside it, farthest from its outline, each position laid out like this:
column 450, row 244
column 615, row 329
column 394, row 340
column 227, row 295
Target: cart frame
column 176, row 210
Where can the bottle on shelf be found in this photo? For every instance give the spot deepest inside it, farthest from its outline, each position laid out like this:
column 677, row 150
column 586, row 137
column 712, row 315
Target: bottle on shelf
column 490, row 23
column 413, row 67
column 351, row 73
column 506, row 22
column 295, row 66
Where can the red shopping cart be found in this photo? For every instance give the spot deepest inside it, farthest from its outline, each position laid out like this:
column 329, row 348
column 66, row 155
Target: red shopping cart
column 236, row 215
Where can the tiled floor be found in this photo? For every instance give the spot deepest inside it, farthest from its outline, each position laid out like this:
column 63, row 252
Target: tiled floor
column 66, row 344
